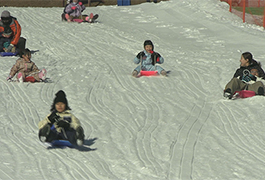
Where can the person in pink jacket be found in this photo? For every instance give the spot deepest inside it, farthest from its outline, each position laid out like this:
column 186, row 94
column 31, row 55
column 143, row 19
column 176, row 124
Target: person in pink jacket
column 26, row 69
column 61, row 124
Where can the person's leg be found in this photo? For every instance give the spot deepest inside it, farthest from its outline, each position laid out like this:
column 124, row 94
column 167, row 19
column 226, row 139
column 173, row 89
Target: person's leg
column 75, row 136
column 257, row 87
column 48, row 134
column 160, row 70
column 235, row 85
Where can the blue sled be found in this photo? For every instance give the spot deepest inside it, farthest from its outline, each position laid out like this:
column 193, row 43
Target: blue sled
column 8, row 53
column 62, row 143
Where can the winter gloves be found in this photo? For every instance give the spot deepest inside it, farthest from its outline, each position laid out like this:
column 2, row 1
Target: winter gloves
column 9, row 48
column 63, row 124
column 53, row 117
column 60, row 123
column 140, row 54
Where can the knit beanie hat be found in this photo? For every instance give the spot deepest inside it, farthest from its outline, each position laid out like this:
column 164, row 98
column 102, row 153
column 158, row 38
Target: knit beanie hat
column 60, row 97
column 5, row 14
column 149, row 42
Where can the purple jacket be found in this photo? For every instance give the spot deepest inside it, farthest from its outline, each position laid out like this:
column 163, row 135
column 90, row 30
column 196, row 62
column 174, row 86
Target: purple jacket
column 77, row 12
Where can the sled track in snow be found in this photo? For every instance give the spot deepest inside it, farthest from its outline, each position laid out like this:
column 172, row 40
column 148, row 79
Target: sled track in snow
column 232, row 129
column 153, row 128
column 105, row 83
column 185, row 142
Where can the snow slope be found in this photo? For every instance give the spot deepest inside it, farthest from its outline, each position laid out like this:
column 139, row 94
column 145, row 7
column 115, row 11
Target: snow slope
column 148, row 128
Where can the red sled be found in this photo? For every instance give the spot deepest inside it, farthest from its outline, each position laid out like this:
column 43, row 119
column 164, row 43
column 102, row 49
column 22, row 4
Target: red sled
column 148, row 73
column 30, row 79
column 245, row 94
column 78, row 20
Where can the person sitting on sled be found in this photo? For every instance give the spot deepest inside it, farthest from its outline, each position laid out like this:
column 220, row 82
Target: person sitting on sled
column 5, row 40
column 16, row 40
column 243, row 78
column 73, row 11
column 148, row 58
column 25, row 68
column 61, row 124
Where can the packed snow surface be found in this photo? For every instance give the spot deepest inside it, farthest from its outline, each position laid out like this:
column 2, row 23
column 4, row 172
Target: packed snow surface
column 149, row 128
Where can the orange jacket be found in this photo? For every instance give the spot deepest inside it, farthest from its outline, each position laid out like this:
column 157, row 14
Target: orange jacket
column 16, row 28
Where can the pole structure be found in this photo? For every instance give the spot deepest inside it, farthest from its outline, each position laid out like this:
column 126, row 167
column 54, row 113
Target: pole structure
column 244, row 11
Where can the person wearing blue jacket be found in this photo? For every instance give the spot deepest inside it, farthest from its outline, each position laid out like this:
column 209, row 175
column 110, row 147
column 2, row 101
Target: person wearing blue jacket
column 148, row 59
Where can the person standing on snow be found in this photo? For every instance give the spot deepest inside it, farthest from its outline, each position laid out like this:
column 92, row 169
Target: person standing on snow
column 149, row 58
column 16, row 41
column 243, row 79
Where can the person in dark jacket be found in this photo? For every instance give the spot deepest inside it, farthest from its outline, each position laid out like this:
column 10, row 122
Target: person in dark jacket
column 242, row 77
column 17, row 41
column 5, row 39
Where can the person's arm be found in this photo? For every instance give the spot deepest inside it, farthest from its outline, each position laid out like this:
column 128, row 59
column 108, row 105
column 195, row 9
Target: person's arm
column 16, row 28
column 15, row 69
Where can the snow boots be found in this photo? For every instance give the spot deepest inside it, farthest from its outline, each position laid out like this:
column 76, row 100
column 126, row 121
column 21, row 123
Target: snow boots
column 163, row 73
column 134, row 73
column 228, row 94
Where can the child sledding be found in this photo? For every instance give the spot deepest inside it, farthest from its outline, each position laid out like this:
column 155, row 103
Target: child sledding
column 148, row 60
column 5, row 40
column 73, row 13
column 61, row 124
column 26, row 70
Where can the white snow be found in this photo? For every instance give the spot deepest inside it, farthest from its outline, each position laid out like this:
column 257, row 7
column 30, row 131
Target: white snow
column 149, row 128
